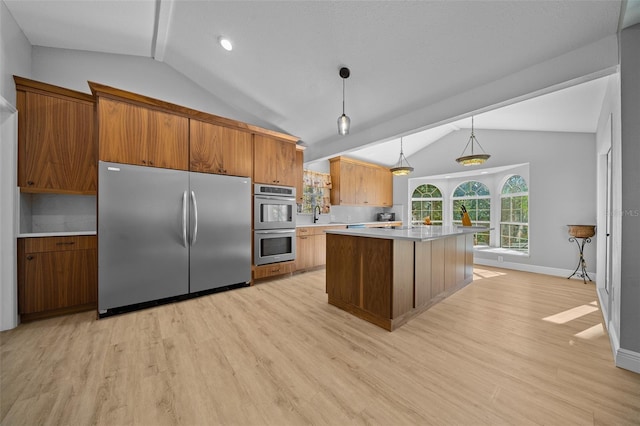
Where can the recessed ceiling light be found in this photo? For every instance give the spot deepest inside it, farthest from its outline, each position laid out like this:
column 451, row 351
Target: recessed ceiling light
column 483, row 173
column 225, row 43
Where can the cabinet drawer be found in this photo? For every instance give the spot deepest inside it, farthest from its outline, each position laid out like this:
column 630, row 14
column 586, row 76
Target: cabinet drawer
column 302, row 232
column 273, row 270
column 45, row 244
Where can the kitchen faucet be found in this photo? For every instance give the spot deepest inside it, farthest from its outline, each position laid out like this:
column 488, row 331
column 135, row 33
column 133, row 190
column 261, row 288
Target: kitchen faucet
column 316, row 209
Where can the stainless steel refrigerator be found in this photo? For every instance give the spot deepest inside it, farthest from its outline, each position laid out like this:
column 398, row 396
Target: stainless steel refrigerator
column 165, row 233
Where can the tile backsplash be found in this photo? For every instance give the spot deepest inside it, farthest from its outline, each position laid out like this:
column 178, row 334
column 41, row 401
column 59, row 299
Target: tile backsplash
column 350, row 214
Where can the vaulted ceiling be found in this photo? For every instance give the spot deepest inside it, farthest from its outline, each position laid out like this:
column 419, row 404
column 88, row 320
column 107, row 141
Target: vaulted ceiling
column 284, row 66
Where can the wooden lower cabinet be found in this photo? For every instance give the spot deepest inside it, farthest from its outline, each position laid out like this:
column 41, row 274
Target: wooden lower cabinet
column 311, row 246
column 56, row 275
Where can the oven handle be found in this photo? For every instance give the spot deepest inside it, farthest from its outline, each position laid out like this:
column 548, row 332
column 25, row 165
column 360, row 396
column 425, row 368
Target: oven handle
column 265, row 197
column 283, row 231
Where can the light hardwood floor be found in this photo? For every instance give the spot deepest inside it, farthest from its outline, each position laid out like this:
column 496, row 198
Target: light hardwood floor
column 510, row 348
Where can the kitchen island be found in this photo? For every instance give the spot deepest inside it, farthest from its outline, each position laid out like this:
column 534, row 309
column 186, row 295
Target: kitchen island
column 388, row 276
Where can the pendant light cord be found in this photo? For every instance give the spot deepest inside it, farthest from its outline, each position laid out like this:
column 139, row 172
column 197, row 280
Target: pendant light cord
column 342, row 95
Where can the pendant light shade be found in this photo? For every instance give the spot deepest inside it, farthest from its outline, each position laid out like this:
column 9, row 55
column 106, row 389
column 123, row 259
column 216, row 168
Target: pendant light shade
column 400, row 169
column 344, row 122
column 471, row 158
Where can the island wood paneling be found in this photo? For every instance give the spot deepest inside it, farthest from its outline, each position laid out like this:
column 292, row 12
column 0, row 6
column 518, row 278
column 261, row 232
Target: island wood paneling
column 403, row 277
column 437, row 268
column 423, row 280
column 385, row 282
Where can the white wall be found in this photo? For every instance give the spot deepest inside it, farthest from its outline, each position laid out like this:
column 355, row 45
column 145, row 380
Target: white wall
column 15, row 54
column 73, row 68
column 562, row 187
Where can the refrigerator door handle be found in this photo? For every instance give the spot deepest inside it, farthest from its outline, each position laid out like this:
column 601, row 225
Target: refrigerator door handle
column 195, row 216
column 184, row 218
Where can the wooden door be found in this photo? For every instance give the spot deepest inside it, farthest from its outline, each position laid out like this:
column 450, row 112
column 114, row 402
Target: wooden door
column 348, row 183
column 168, row 141
column 320, row 249
column 220, row 150
column 384, row 184
column 274, row 161
column 123, row 132
column 286, row 160
column 58, row 144
column 304, row 252
column 59, row 279
column 237, row 153
column 376, row 273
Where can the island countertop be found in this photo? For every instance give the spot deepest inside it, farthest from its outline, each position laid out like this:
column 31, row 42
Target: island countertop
column 422, row 233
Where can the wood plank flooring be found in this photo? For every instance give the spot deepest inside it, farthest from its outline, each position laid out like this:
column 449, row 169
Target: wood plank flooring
column 510, row 348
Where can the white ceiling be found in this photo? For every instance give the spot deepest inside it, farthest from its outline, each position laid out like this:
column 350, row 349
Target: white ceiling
column 286, row 56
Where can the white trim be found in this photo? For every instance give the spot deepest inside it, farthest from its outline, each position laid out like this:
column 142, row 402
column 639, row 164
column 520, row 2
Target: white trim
column 559, row 272
column 8, row 216
column 628, row 360
column 603, row 302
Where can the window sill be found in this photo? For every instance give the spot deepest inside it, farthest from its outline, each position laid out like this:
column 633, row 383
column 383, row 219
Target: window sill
column 499, row 250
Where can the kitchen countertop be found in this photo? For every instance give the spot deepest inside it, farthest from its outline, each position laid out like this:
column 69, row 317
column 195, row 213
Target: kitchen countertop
column 423, row 233
column 55, row 234
column 381, row 223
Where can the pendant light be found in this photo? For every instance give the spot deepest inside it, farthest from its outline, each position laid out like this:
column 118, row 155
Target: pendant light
column 344, row 122
column 400, row 169
column 472, row 159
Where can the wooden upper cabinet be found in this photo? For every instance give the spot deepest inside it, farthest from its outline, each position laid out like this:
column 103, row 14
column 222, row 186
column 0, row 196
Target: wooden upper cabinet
column 220, row 150
column 361, row 184
column 133, row 134
column 137, row 129
column 56, row 144
column 168, row 143
column 274, row 161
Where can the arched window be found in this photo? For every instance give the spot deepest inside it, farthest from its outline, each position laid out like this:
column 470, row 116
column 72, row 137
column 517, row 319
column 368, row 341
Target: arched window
column 514, row 214
column 426, row 201
column 476, row 198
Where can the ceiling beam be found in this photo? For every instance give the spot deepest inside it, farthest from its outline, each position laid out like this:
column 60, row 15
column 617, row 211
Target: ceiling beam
column 164, row 9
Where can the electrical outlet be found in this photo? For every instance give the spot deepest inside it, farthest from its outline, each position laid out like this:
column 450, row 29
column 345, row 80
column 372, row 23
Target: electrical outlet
column 348, row 218
column 500, row 259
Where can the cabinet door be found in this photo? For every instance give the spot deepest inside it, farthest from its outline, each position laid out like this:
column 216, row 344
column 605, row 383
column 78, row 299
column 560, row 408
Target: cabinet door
column 274, row 161
column 123, row 132
column 348, row 182
column 286, row 163
column 219, row 150
column 59, row 148
column 376, row 273
column 59, row 279
column 384, row 182
column 168, row 141
column 237, row 153
column 304, row 252
column 320, row 249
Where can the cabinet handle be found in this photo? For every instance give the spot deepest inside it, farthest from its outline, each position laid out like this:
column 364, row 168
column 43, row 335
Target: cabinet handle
column 275, row 270
column 29, row 182
column 303, row 238
column 151, row 163
column 68, row 243
column 29, row 257
column 144, row 162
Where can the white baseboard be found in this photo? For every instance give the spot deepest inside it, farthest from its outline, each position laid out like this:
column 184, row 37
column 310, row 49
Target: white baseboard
column 629, row 360
column 529, row 268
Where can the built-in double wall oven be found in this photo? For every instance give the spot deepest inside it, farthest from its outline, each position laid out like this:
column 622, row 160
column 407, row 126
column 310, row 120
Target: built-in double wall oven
column 274, row 217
